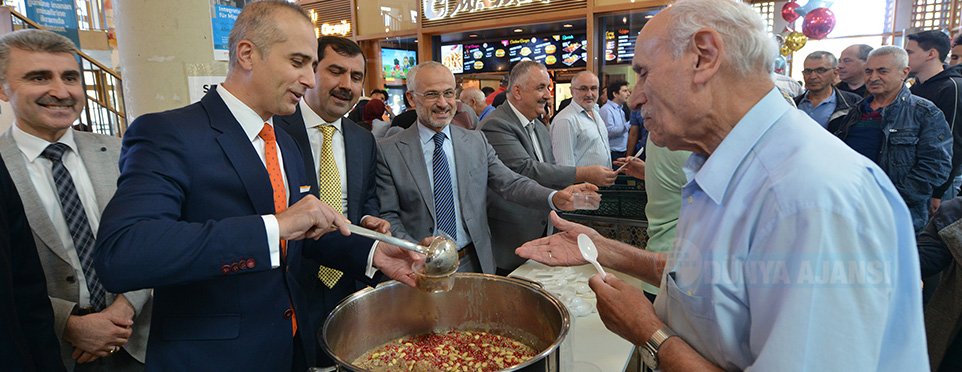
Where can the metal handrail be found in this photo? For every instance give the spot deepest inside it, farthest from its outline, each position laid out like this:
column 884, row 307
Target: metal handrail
column 103, row 89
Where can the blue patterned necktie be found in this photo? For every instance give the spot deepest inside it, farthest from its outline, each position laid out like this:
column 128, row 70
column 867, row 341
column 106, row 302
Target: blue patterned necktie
column 443, row 197
column 73, row 213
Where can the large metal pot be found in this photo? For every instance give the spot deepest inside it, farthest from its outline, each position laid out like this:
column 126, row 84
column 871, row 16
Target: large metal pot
column 508, row 306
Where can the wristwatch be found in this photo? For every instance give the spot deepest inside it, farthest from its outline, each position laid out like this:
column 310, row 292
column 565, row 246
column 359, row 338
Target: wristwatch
column 649, row 350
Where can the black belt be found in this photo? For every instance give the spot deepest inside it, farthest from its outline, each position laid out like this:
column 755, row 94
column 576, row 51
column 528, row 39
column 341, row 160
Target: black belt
column 468, row 249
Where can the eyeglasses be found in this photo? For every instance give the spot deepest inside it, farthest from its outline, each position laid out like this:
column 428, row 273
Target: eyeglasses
column 585, row 89
column 433, row 95
column 820, row 70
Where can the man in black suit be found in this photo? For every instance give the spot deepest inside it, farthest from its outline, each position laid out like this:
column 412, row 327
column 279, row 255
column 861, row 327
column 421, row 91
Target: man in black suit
column 328, row 143
column 27, row 340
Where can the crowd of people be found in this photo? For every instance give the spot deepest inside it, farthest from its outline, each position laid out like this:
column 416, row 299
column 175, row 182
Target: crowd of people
column 786, row 231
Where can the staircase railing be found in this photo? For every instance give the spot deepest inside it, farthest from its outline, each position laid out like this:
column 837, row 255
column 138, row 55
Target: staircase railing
column 103, row 87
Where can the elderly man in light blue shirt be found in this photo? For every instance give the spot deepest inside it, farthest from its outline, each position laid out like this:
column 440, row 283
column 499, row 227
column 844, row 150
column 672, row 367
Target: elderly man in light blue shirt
column 578, row 135
column 781, row 263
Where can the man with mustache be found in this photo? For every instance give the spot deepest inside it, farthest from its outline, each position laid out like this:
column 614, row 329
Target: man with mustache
column 433, row 177
column 787, row 240
column 822, row 101
column 906, row 135
column 212, row 206
column 523, row 144
column 340, row 155
column 66, row 177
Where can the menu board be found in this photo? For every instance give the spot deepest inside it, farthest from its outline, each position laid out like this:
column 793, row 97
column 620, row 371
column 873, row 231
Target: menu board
column 554, row 51
column 452, row 56
column 620, row 45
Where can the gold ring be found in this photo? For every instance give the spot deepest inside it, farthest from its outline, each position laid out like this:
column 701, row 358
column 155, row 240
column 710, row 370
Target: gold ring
column 549, row 255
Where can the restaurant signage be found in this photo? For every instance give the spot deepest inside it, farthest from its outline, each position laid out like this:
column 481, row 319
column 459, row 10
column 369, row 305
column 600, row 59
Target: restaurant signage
column 435, row 10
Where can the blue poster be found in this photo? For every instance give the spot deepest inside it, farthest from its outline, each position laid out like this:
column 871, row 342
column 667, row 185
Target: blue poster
column 221, row 22
column 59, row 16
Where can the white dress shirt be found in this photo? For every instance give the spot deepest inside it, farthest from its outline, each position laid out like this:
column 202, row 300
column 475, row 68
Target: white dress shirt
column 579, row 139
column 252, row 124
column 41, row 176
column 527, row 124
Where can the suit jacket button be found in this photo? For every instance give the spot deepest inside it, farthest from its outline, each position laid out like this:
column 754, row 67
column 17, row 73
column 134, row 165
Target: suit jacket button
column 289, row 313
column 250, row 263
column 234, row 267
column 225, row 269
column 71, row 279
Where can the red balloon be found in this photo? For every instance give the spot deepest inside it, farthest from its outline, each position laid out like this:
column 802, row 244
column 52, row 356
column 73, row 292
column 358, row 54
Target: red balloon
column 818, row 23
column 788, row 11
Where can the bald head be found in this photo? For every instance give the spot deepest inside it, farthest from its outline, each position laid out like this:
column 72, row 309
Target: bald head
column 474, row 98
column 584, row 89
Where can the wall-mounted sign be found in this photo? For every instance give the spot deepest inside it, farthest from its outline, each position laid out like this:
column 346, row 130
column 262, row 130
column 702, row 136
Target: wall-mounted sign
column 440, row 9
column 559, row 51
column 59, row 16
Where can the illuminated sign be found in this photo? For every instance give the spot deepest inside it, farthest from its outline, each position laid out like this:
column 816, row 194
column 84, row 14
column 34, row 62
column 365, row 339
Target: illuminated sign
column 440, row 9
column 342, row 28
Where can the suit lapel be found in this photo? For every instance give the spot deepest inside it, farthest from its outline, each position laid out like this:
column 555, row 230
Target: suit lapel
column 294, row 124
column 293, row 167
column 462, row 150
column 410, row 149
column 39, row 221
column 355, row 174
column 101, row 167
column 238, row 149
column 519, row 126
column 544, row 141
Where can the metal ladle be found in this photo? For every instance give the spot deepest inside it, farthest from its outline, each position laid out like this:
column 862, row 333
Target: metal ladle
column 442, row 254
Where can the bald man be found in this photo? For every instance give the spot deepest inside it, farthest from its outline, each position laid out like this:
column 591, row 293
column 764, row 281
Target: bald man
column 474, row 98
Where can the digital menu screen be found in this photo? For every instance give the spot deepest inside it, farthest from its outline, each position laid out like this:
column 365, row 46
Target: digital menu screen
column 620, row 45
column 554, row 51
column 452, row 56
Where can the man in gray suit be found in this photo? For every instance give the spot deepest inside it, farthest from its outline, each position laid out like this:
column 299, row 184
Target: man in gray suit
column 523, row 144
column 433, row 177
column 66, row 178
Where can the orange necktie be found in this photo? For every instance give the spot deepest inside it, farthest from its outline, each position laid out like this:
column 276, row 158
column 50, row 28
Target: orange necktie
column 277, row 183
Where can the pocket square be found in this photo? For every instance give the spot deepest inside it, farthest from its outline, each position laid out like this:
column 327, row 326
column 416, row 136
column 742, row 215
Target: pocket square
column 305, row 188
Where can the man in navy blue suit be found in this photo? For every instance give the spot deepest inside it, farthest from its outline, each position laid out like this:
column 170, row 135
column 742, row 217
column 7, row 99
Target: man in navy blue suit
column 212, row 203
column 341, row 155
column 27, row 339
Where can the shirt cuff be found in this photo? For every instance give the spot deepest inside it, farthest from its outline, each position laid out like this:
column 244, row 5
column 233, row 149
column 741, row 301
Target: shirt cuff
column 273, row 239
column 551, row 203
column 361, row 222
column 371, row 270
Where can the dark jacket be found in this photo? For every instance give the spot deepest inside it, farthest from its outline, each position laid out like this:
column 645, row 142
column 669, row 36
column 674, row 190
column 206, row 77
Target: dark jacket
column 916, row 148
column 844, row 101
column 943, row 90
column 940, row 251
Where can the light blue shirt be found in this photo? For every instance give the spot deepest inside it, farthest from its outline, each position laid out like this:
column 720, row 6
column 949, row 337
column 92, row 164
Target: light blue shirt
column 785, row 264
column 617, row 125
column 820, row 113
column 485, row 112
column 579, row 138
column 427, row 145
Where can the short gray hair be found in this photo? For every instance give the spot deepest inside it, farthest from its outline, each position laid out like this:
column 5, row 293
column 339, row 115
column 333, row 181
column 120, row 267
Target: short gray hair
column 413, row 72
column 32, row 40
column 256, row 23
column 901, row 57
column 820, row 54
column 473, row 93
column 520, row 70
column 750, row 49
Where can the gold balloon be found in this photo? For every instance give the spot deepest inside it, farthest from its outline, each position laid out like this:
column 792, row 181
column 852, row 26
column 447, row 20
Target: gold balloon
column 795, row 40
column 785, row 50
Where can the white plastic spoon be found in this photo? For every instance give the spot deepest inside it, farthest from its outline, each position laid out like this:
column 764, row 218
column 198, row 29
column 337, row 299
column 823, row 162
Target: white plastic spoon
column 590, row 253
column 628, row 160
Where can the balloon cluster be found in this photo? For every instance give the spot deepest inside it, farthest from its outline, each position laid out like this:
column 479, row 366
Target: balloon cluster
column 818, row 19
column 817, row 23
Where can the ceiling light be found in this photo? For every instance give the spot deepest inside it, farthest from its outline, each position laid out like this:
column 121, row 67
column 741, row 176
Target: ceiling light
column 518, row 30
column 624, row 19
column 568, row 25
column 473, row 35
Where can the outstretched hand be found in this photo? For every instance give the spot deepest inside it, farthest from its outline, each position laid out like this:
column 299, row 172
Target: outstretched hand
column 560, row 249
column 396, row 262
